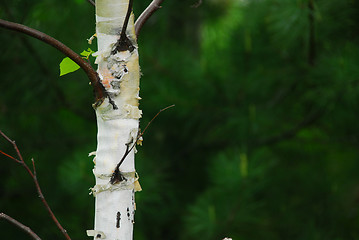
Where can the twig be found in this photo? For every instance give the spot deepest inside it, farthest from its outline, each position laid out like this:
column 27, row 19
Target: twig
column 92, row 2
column 21, row 161
column 33, row 167
column 117, row 176
column 99, row 90
column 127, row 18
column 149, row 123
column 9, row 156
column 123, row 43
column 20, row 225
column 146, row 14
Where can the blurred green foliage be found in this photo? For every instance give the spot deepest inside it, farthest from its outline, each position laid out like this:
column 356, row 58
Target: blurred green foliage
column 262, row 143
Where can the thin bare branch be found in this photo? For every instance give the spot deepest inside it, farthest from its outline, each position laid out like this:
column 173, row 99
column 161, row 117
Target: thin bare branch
column 149, row 123
column 37, row 185
column 92, row 2
column 117, row 176
column 127, row 18
column 9, row 156
column 99, row 90
column 33, row 167
column 124, row 44
column 6, row 137
column 146, row 14
column 20, row 225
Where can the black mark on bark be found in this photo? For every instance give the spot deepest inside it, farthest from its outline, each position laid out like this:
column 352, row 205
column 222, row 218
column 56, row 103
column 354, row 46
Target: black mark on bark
column 118, row 219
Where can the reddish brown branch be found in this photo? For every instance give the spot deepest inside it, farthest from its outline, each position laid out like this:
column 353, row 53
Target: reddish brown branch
column 20, row 225
column 91, row 73
column 44, row 68
column 36, row 182
column 9, row 156
column 33, row 167
column 146, row 14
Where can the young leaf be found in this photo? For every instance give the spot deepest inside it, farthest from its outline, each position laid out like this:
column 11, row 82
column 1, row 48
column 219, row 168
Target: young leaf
column 67, row 66
column 87, row 53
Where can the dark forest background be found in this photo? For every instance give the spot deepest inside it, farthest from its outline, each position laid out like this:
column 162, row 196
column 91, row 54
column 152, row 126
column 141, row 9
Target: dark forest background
column 262, row 143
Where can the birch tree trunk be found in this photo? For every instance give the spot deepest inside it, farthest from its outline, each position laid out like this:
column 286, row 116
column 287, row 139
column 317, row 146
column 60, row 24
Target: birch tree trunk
column 117, row 120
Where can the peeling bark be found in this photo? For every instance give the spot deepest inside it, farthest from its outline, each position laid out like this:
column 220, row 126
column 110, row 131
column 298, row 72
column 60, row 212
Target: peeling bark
column 117, row 119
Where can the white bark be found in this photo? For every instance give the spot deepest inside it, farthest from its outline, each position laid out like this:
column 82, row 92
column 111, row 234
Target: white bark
column 119, row 73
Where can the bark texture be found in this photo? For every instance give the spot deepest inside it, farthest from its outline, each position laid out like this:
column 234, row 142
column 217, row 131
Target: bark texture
column 117, row 119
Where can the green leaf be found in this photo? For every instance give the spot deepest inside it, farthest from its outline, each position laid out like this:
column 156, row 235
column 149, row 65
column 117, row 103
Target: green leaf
column 67, row 66
column 87, row 53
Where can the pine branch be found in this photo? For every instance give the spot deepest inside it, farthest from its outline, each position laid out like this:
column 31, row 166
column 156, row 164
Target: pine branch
column 146, row 14
column 310, row 119
column 99, row 90
column 33, row 175
column 20, row 225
